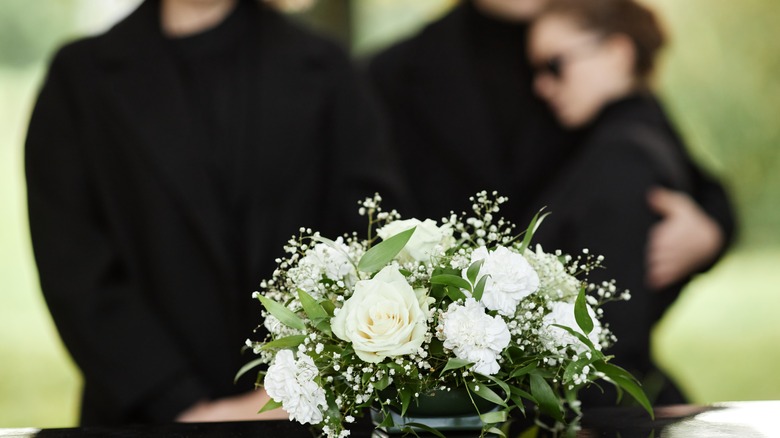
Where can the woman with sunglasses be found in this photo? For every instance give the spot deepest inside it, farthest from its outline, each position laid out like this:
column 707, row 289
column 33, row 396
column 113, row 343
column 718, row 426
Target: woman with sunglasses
column 593, row 61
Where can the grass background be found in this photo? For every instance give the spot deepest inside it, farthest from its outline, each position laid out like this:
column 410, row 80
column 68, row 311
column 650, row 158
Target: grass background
column 720, row 81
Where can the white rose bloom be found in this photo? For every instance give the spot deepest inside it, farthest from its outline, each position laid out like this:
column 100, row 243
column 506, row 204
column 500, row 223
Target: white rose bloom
column 291, row 383
column 473, row 335
column 384, row 317
column 511, row 278
column 556, row 338
column 423, row 243
column 323, row 259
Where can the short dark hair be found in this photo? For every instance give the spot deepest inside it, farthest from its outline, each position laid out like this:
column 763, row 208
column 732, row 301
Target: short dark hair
column 611, row 17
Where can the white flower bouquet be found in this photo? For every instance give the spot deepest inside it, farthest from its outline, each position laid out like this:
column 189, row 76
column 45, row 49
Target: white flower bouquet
column 417, row 309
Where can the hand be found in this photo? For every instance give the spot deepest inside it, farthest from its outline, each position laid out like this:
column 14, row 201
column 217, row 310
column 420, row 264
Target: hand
column 685, row 240
column 242, row 407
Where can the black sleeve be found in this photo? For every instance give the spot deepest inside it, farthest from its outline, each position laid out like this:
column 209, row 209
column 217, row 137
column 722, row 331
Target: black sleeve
column 600, row 205
column 121, row 345
column 706, row 190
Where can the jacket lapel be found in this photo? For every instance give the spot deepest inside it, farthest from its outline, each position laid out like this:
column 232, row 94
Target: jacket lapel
column 150, row 99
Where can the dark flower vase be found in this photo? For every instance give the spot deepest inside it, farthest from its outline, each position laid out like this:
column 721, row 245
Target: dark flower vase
column 450, row 412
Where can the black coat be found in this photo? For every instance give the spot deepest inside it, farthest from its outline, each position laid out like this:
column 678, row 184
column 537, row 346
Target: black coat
column 129, row 235
column 600, row 203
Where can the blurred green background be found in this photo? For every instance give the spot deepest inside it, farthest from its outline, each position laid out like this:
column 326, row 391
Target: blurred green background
column 719, row 80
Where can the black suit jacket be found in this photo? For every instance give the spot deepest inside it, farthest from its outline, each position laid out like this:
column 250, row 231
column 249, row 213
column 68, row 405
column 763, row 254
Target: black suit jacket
column 128, row 234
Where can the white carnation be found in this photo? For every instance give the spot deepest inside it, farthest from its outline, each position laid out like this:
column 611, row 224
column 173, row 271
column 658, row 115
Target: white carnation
column 556, row 338
column 427, row 240
column 291, row 382
column 473, row 335
column 511, row 278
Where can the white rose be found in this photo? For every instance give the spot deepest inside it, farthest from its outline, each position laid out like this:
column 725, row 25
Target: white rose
column 473, row 335
column 423, row 243
column 555, row 338
column 511, row 278
column 384, row 317
column 291, row 383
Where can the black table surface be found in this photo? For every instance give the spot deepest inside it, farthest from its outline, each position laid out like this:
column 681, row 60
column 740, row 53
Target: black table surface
column 738, row 419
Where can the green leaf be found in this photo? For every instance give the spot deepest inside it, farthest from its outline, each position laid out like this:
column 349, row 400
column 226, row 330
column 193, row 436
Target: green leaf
column 281, row 343
column 494, row 417
column 329, row 307
column 282, row 313
column 438, row 292
column 382, row 253
column 473, row 270
column 496, row 431
column 436, row 347
column 455, row 293
column 531, row 432
column 316, row 313
column 244, row 369
column 517, row 395
column 455, row 363
column 503, row 385
column 387, row 421
column 581, row 313
column 522, row 394
column 543, row 393
column 382, row 383
column 524, row 370
column 451, row 280
column 424, row 427
column 597, row 354
column 627, row 382
column 532, row 227
column 270, row 405
column 518, row 403
column 311, row 306
column 480, row 288
column 323, row 325
column 406, row 398
column 485, row 392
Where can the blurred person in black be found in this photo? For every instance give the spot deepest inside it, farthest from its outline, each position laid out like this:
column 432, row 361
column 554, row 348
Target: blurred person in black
column 168, row 161
column 464, row 117
column 593, row 63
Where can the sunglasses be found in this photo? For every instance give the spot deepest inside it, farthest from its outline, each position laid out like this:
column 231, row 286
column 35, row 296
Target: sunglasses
column 554, row 65
column 551, row 66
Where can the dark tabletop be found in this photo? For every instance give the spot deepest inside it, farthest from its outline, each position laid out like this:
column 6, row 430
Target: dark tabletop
column 741, row 419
